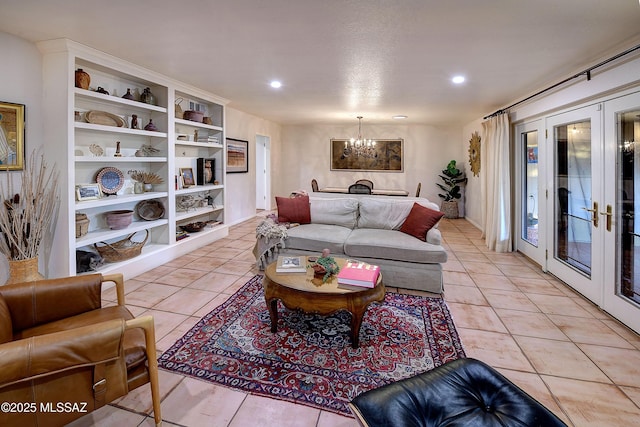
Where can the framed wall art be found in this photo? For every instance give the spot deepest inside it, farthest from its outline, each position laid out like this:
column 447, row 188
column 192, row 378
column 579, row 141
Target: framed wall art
column 11, row 136
column 237, row 156
column 385, row 156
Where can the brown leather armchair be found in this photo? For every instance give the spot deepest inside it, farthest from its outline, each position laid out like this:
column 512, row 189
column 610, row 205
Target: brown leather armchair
column 63, row 355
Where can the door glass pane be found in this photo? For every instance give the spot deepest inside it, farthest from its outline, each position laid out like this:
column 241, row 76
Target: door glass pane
column 573, row 195
column 628, row 220
column 530, row 191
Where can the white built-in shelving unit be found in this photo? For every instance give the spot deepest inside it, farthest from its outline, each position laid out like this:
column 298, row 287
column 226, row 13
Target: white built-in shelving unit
column 72, row 144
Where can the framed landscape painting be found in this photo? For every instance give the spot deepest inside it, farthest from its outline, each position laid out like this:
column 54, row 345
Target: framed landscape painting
column 11, row 136
column 237, row 156
column 385, row 156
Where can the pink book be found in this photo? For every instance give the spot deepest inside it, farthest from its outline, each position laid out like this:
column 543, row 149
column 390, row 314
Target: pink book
column 359, row 274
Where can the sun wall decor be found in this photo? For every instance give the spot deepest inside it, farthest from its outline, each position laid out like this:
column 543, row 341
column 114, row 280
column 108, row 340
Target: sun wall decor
column 474, row 153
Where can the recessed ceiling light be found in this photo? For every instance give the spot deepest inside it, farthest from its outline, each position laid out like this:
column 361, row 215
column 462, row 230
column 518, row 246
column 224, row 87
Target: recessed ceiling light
column 399, row 117
column 276, row 84
column 458, row 79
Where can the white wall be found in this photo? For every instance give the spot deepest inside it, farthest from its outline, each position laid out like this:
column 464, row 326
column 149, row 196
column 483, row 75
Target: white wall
column 21, row 83
column 427, row 150
column 241, row 187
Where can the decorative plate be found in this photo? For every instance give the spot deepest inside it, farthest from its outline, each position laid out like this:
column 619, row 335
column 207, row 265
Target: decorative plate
column 150, row 210
column 96, row 150
column 103, row 118
column 110, row 179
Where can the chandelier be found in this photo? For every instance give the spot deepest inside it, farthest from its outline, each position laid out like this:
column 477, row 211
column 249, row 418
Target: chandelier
column 360, row 147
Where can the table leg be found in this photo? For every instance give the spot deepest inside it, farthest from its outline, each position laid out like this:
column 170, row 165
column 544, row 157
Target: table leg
column 356, row 322
column 272, row 305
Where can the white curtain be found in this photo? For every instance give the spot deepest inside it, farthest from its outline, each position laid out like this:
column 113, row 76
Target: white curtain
column 496, row 183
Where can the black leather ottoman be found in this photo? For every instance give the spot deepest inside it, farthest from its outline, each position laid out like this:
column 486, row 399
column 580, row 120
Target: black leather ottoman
column 465, row 392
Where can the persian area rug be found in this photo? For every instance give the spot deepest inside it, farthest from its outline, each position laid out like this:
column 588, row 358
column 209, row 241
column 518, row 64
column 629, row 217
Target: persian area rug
column 310, row 360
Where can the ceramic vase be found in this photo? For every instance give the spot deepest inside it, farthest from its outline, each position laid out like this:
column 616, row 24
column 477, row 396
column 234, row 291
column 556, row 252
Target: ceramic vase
column 82, row 79
column 24, row 270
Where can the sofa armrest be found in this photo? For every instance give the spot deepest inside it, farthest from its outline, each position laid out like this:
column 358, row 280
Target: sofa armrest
column 43, row 355
column 434, row 236
column 35, row 303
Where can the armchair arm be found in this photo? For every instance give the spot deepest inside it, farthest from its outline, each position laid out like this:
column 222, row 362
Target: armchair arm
column 43, row 355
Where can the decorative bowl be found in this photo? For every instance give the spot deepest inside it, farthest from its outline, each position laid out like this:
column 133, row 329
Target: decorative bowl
column 193, row 227
column 117, row 220
column 150, row 210
column 194, row 116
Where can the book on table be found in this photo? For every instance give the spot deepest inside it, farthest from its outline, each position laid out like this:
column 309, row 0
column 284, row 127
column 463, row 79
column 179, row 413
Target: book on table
column 291, row 264
column 358, row 273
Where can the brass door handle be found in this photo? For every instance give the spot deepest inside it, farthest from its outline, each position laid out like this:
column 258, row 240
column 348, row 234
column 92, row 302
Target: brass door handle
column 594, row 214
column 609, row 215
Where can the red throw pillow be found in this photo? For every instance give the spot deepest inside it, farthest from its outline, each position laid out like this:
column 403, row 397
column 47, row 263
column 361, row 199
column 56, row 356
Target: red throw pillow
column 296, row 209
column 420, row 220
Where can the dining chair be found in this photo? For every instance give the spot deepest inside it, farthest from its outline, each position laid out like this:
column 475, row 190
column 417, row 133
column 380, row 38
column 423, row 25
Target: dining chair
column 314, row 185
column 359, row 189
column 366, row 182
column 418, row 189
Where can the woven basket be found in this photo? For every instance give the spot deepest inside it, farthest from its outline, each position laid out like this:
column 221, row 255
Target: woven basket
column 82, row 224
column 122, row 249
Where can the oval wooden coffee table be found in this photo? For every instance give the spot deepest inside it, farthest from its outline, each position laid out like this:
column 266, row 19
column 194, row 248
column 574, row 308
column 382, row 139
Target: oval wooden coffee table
column 305, row 292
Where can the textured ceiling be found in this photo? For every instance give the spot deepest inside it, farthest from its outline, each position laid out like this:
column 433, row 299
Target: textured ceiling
column 341, row 58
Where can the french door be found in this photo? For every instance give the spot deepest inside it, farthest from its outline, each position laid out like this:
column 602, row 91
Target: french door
column 622, row 188
column 531, row 207
column 577, row 190
column 575, row 236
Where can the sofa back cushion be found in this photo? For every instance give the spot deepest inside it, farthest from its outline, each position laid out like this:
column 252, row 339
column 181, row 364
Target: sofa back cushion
column 293, row 209
column 341, row 211
column 388, row 213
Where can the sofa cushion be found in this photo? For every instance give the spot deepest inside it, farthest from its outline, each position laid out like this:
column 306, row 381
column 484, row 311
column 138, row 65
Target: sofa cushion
column 316, row 237
column 392, row 244
column 419, row 221
column 334, row 211
column 294, row 209
column 388, row 213
column 6, row 327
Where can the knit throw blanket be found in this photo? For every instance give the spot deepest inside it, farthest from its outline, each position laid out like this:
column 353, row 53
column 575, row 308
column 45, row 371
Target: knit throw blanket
column 270, row 239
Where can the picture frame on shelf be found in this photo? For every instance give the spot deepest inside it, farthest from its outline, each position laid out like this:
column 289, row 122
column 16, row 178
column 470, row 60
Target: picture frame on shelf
column 88, row 192
column 237, row 156
column 206, row 171
column 12, row 117
column 187, row 177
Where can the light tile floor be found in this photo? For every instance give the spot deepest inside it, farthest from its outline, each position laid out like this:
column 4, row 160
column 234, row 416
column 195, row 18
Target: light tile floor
column 577, row 360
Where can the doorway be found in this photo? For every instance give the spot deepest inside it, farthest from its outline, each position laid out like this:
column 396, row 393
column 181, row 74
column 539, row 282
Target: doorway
column 532, row 202
column 263, row 173
column 577, row 191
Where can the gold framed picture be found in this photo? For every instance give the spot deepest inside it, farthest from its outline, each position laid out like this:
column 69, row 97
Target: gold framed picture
column 187, row 177
column 12, row 118
column 385, row 155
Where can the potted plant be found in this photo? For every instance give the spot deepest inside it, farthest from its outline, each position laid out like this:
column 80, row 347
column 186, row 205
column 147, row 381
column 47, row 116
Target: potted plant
column 452, row 177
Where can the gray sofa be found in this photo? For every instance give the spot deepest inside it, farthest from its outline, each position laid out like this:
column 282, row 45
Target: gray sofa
column 366, row 228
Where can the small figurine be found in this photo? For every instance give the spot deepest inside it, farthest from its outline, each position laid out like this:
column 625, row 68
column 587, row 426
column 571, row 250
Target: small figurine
column 325, row 266
column 117, row 153
column 134, row 121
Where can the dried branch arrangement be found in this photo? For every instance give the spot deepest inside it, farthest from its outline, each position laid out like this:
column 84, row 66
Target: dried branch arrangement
column 26, row 213
column 146, row 177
